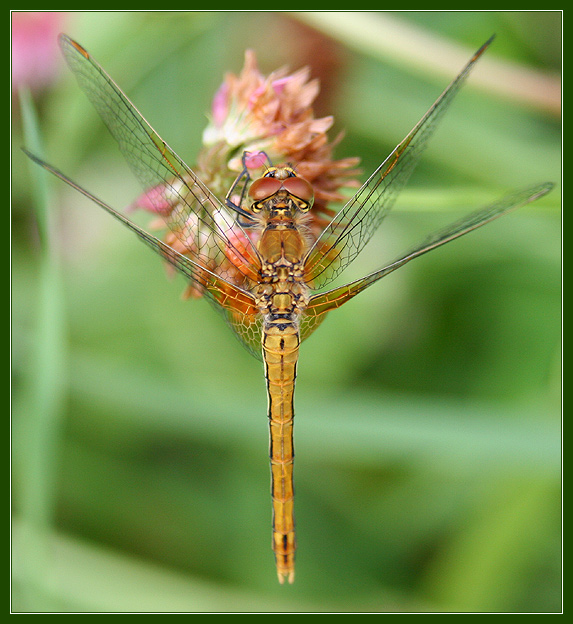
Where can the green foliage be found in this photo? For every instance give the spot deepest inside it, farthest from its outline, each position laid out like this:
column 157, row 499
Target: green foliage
column 428, row 408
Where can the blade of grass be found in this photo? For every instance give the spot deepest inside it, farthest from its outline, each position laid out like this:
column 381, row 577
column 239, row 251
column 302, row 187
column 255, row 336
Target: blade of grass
column 381, row 35
column 38, row 414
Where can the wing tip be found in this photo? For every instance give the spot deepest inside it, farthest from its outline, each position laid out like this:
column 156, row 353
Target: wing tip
column 543, row 189
column 483, row 48
column 67, row 42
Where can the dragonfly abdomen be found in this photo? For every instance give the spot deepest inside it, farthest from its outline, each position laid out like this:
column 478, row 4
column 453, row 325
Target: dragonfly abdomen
column 280, row 344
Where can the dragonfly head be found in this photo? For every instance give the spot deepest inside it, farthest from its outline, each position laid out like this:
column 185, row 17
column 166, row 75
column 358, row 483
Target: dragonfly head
column 284, row 187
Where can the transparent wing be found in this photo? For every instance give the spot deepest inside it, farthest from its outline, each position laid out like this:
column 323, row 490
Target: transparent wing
column 236, row 305
column 350, row 230
column 322, row 303
column 247, row 325
column 207, row 228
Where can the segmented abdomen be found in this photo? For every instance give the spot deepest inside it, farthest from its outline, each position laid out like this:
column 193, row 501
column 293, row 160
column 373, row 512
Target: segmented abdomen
column 281, row 342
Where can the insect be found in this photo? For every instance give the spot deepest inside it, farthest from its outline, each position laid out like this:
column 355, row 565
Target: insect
column 252, row 254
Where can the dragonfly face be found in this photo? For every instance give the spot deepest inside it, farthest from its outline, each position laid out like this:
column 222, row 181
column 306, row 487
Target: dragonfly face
column 263, row 267
column 284, row 181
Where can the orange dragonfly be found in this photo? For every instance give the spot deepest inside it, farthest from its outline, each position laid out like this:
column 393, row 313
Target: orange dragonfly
column 254, row 259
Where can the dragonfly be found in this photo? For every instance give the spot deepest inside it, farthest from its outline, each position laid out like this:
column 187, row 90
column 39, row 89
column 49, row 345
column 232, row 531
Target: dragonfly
column 253, row 259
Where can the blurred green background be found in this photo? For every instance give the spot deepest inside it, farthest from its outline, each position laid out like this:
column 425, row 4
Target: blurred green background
column 428, row 408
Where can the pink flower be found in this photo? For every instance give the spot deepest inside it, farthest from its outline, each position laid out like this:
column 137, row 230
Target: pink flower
column 220, row 108
column 155, row 199
column 35, row 54
column 255, row 160
column 254, row 119
column 273, row 114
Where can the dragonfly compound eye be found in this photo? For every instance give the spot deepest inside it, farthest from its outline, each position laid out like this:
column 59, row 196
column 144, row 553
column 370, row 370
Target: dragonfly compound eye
column 262, row 188
column 301, row 188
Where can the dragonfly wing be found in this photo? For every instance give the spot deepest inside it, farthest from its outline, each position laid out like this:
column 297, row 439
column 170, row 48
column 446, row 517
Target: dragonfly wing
column 350, row 230
column 322, row 303
column 237, row 305
column 247, row 325
column 207, row 229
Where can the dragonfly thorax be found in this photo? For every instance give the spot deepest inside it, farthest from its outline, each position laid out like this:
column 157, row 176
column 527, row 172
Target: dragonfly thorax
column 283, row 216
column 283, row 244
